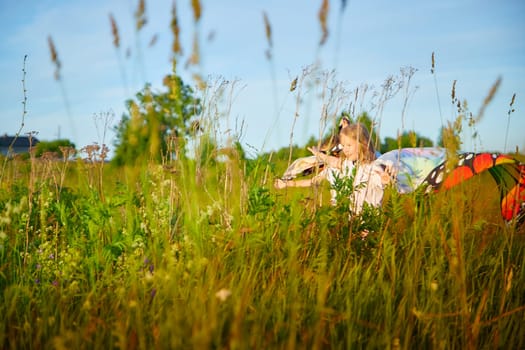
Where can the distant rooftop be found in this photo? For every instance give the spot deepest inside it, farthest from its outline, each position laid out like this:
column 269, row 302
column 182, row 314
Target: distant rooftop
column 20, row 144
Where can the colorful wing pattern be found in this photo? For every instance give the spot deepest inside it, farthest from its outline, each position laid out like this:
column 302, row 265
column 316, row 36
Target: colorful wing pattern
column 302, row 166
column 412, row 165
column 508, row 173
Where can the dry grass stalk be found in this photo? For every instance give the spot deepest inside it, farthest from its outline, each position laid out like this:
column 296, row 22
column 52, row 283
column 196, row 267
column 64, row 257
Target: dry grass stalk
column 31, row 189
column 323, row 16
column 512, row 101
column 153, row 40
column 511, row 110
column 432, row 71
column 54, row 57
column 488, row 98
column 452, row 141
column 391, row 86
column 412, row 136
column 22, row 124
column 114, row 31
column 197, row 10
column 67, row 152
column 195, row 56
column 175, row 29
column 406, row 75
column 293, row 85
column 267, row 29
column 201, row 83
column 140, row 15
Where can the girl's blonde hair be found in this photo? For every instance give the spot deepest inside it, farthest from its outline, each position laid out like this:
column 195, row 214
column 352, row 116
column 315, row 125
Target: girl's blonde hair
column 359, row 132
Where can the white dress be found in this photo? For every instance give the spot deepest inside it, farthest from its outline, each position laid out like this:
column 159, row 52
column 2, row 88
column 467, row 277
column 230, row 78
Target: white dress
column 367, row 185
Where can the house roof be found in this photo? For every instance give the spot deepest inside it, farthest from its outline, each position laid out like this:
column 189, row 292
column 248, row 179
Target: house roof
column 20, row 141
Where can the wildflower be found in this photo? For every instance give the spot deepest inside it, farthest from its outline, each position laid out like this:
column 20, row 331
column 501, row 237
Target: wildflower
column 148, row 276
column 150, row 265
column 87, row 304
column 434, row 285
column 223, row 294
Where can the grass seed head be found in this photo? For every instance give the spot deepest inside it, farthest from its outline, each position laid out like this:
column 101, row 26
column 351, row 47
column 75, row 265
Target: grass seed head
column 323, row 17
column 489, row 98
column 54, row 57
column 197, row 10
column 267, row 29
column 153, row 40
column 140, row 15
column 194, row 59
column 293, row 85
column 114, row 31
column 175, row 29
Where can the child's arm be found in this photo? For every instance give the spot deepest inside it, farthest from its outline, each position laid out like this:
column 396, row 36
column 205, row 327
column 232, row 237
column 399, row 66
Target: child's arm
column 280, row 183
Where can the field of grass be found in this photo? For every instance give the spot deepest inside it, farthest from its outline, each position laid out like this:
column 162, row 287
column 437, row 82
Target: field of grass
column 179, row 255
column 204, row 253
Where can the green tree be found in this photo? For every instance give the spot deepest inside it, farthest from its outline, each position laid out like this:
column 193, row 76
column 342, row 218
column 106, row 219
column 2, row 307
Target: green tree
column 407, row 139
column 56, row 147
column 157, row 123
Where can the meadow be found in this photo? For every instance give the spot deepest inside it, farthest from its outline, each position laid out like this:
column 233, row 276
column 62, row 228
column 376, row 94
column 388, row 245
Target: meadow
column 202, row 252
column 209, row 255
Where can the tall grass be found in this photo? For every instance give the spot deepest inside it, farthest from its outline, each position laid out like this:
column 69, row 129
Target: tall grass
column 201, row 252
column 165, row 262
column 158, row 258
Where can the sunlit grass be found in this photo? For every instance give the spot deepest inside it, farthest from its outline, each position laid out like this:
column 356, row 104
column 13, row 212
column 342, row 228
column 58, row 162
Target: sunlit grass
column 168, row 261
column 202, row 252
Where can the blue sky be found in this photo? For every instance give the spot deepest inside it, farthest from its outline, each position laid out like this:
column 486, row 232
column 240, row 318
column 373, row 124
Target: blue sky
column 474, row 42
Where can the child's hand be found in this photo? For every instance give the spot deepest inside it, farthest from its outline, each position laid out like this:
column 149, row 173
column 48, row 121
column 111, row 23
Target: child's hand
column 279, row 184
column 388, row 174
column 385, row 178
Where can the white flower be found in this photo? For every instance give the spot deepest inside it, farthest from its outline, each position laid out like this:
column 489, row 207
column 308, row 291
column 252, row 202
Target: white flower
column 223, row 294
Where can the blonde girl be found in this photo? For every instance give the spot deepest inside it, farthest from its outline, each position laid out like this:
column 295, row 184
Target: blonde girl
column 358, row 151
